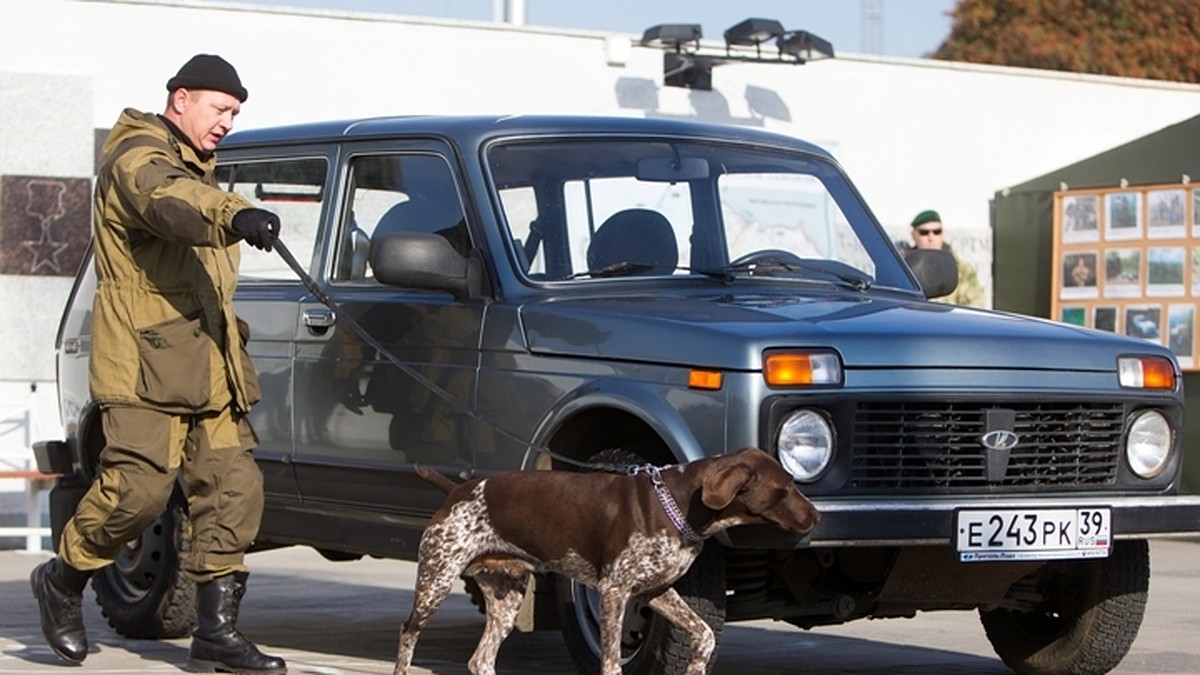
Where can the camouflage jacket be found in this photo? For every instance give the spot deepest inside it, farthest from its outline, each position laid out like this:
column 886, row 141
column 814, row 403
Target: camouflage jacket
column 969, row 291
column 164, row 333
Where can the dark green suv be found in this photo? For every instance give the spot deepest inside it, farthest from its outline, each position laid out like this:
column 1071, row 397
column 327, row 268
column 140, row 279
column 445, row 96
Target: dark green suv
column 568, row 289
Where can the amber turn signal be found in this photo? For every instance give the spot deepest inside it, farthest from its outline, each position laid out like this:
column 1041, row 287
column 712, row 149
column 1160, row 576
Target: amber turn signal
column 705, row 379
column 793, row 369
column 1146, row 372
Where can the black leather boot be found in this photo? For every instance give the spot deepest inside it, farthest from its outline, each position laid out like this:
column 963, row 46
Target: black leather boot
column 58, row 589
column 217, row 645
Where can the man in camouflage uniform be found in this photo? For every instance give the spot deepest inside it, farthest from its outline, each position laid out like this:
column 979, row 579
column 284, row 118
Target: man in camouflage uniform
column 169, row 368
column 927, row 233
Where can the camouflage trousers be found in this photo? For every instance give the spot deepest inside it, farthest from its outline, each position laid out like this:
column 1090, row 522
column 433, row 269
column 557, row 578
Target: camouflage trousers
column 147, row 453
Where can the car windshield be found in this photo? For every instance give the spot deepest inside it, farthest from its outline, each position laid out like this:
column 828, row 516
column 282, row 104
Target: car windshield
column 582, row 210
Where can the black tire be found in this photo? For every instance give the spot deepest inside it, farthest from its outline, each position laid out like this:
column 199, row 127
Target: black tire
column 650, row 645
column 144, row 594
column 1087, row 621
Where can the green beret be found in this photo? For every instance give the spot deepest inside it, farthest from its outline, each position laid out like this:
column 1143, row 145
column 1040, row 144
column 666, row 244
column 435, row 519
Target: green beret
column 929, row 216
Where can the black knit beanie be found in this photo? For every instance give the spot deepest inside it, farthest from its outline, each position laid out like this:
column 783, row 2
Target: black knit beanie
column 208, row 71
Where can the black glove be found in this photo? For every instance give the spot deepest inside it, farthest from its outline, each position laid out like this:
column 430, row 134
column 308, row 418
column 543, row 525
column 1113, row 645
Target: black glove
column 260, row 228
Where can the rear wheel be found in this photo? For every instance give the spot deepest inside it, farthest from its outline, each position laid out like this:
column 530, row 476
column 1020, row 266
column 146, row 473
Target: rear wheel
column 1086, row 621
column 649, row 643
column 145, row 594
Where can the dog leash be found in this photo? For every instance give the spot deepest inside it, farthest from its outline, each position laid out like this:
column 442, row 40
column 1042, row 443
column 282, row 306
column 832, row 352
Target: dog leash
column 432, row 386
column 665, row 499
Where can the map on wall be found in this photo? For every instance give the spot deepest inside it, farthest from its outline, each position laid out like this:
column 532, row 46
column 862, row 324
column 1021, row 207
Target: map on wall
column 1127, row 260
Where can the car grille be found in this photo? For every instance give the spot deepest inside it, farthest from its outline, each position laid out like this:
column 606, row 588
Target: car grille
column 923, row 445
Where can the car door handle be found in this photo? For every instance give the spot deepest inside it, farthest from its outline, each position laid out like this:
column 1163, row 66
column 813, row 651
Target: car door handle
column 319, row 318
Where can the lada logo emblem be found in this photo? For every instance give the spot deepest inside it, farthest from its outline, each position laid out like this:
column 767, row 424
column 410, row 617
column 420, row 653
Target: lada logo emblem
column 999, row 439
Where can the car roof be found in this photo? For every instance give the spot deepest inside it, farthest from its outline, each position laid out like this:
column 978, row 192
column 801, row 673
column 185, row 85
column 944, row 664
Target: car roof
column 468, row 131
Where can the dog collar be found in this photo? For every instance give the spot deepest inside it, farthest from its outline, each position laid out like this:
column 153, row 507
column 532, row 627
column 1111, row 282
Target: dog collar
column 668, row 502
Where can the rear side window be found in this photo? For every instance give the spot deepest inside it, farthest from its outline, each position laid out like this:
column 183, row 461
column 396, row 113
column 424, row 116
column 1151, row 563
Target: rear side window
column 294, row 190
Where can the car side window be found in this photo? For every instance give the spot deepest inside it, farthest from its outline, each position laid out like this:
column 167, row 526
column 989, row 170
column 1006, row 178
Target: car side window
column 521, row 208
column 396, row 193
column 294, row 190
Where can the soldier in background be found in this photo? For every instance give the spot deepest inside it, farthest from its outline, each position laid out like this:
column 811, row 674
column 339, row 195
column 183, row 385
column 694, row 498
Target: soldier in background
column 928, row 232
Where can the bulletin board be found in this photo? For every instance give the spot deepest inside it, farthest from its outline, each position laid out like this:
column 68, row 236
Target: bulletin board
column 1127, row 260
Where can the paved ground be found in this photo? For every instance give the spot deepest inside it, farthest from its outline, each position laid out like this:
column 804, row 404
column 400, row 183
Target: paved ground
column 334, row 618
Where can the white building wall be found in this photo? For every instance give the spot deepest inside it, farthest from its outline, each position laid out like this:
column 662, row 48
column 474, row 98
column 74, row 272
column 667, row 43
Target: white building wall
column 46, row 131
column 913, row 134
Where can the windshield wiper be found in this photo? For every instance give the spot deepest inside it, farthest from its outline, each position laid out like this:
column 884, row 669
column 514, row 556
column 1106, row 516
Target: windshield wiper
column 856, row 280
column 617, row 269
column 859, row 282
column 726, row 275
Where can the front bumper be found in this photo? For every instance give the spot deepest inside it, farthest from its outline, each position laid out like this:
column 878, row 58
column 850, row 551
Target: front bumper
column 930, row 521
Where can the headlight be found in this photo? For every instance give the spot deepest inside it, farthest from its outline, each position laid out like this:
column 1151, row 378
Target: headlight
column 1148, row 444
column 805, row 444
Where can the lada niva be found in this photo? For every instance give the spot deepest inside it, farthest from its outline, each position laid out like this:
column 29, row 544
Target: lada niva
column 568, row 291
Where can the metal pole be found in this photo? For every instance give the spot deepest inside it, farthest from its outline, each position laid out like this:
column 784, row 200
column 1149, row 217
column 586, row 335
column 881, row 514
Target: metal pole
column 516, row 12
column 33, row 513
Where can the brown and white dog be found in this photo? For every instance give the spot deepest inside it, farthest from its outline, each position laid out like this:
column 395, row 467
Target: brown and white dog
column 625, row 535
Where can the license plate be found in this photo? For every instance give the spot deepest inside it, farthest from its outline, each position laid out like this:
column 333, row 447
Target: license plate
column 1033, row 534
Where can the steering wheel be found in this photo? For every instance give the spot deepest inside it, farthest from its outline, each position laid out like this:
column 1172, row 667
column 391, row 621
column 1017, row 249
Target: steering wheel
column 766, row 255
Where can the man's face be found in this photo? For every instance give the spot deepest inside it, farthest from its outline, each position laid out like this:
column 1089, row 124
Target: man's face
column 205, row 116
column 928, row 235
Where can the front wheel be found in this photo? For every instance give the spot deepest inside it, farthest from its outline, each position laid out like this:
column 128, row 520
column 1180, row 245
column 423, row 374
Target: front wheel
column 1086, row 621
column 649, row 643
column 145, row 594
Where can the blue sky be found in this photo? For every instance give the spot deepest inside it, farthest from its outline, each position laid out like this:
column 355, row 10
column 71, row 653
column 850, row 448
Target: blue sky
column 912, row 28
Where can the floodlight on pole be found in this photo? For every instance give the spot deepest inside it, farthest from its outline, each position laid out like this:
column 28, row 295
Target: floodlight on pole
column 802, row 45
column 752, row 33
column 688, row 63
column 673, row 35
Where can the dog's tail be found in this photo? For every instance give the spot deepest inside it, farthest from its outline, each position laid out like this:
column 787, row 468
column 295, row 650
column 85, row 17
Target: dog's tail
column 444, row 484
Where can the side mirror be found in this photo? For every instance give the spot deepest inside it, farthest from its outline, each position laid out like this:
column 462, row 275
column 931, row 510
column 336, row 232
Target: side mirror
column 936, row 271
column 421, row 260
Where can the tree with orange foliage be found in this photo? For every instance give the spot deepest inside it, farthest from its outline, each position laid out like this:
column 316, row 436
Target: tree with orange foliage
column 1150, row 39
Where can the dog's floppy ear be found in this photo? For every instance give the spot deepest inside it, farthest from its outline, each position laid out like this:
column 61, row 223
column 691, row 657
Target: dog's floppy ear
column 721, row 486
